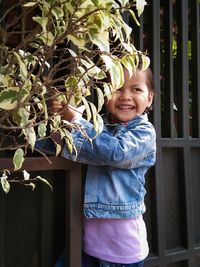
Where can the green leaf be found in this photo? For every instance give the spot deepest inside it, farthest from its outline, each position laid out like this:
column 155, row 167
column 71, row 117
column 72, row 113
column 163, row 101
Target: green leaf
column 23, row 69
column 115, row 70
column 32, row 185
column 56, row 120
column 26, row 175
column 101, row 40
column 92, row 70
column 72, row 52
column 87, row 108
column 44, row 181
column 42, row 130
column 128, row 66
column 75, row 101
column 145, row 62
column 84, row 6
column 107, row 91
column 24, row 114
column 94, row 116
column 71, row 82
column 30, row 135
column 4, row 183
column 100, row 98
column 69, row 145
column 18, row 159
column 42, row 21
column 130, row 48
column 69, row 7
column 134, row 17
column 97, row 3
column 58, row 149
column 95, row 22
column 61, row 98
column 47, row 38
column 133, row 60
column 100, row 123
column 5, row 80
column 78, row 41
column 96, row 72
column 9, row 98
column 30, row 4
column 16, row 118
column 57, row 12
column 127, row 30
column 116, row 24
column 140, row 6
column 97, row 119
column 68, row 139
column 124, row 2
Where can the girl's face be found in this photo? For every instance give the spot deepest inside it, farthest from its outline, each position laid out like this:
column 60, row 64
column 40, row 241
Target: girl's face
column 130, row 100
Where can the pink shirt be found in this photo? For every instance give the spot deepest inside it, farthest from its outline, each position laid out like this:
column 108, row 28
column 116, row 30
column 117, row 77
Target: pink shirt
column 116, row 240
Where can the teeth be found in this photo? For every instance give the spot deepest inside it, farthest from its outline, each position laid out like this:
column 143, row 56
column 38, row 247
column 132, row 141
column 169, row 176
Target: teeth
column 125, row 107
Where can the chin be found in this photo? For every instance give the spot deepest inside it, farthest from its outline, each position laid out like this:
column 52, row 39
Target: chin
column 126, row 119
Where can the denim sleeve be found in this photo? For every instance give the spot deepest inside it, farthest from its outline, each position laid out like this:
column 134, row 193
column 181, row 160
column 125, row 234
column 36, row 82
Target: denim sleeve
column 127, row 150
column 46, row 146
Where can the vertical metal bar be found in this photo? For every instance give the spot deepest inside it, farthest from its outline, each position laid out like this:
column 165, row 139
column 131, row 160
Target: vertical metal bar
column 155, row 59
column 195, row 67
column 74, row 213
column 188, row 198
column 168, row 116
column 160, row 220
column 2, row 198
column 182, row 57
column 138, row 34
column 46, row 226
column 141, row 33
column 2, row 230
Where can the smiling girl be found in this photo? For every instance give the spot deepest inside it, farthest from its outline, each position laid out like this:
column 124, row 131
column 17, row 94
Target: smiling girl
column 114, row 232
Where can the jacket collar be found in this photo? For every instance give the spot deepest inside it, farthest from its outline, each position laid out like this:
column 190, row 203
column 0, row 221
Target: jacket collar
column 135, row 120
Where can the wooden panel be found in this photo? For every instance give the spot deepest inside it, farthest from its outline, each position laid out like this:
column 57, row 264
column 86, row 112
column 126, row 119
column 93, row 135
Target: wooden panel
column 29, row 216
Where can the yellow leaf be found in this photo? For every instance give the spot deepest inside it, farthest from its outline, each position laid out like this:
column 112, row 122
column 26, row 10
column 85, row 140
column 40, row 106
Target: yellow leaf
column 18, row 158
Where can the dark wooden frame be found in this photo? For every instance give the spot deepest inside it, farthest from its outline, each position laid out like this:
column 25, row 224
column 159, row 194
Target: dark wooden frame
column 73, row 208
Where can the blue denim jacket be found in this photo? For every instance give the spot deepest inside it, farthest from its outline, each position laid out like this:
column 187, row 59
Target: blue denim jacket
column 118, row 159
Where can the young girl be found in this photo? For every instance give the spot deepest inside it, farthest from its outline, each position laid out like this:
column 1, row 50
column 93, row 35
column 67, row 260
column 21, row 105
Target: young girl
column 114, row 232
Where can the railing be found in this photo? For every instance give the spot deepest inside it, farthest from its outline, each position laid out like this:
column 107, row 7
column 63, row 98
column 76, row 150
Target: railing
column 9, row 240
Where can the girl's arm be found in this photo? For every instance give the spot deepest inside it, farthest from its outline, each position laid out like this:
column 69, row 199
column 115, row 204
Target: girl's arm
column 127, row 150
column 67, row 112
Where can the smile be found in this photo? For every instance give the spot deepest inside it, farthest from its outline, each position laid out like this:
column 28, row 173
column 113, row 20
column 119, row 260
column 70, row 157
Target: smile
column 125, row 107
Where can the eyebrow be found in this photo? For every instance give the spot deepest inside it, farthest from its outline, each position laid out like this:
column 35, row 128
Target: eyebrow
column 136, row 85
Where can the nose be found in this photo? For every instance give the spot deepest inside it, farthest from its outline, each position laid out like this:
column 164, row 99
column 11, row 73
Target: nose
column 125, row 93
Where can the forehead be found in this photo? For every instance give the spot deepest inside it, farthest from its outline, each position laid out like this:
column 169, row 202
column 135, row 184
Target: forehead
column 137, row 77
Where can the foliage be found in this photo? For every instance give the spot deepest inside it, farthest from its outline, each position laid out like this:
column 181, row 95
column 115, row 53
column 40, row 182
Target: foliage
column 71, row 49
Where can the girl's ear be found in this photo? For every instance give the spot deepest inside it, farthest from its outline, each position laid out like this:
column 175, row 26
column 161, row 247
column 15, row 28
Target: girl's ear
column 150, row 98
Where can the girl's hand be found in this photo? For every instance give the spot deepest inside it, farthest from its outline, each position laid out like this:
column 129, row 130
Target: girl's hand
column 67, row 112
column 57, row 106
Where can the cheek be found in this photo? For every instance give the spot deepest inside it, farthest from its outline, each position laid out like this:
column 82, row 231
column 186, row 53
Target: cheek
column 142, row 99
column 109, row 105
column 145, row 98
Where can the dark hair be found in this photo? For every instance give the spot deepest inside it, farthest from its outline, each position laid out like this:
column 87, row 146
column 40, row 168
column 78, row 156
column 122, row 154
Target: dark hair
column 150, row 79
column 149, row 82
column 149, row 76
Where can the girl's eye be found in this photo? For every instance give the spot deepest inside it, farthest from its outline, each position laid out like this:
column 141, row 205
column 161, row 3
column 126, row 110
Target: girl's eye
column 137, row 89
